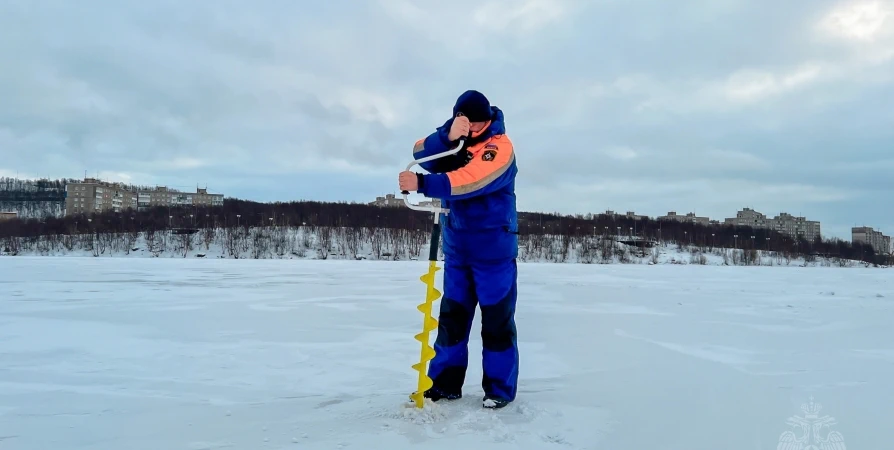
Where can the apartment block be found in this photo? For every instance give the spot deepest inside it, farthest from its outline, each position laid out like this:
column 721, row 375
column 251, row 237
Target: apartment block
column 389, row 200
column 164, row 196
column 687, row 218
column 160, row 196
column 203, row 198
column 878, row 241
column 783, row 223
column 94, row 195
column 748, row 217
column 797, row 226
column 629, row 215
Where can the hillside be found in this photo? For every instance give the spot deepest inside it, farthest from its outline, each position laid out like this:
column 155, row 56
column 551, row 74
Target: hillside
column 32, row 198
column 349, row 228
column 311, row 242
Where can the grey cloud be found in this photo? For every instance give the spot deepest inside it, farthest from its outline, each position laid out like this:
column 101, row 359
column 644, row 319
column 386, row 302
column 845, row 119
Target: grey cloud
column 639, row 104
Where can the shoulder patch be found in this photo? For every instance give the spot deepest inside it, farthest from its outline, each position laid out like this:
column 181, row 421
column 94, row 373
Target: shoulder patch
column 489, row 155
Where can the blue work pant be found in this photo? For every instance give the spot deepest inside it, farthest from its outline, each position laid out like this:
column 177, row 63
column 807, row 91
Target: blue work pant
column 493, row 287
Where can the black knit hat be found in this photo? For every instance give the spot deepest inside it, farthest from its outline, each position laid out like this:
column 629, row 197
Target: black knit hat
column 473, row 105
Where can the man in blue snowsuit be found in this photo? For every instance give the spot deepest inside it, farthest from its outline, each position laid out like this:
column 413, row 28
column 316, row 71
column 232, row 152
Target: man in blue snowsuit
column 480, row 241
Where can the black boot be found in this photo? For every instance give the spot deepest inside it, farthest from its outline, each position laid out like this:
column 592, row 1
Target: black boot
column 435, row 395
column 493, row 403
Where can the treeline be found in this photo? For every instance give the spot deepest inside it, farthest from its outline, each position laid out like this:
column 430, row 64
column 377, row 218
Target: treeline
column 15, row 191
column 701, row 236
column 260, row 242
column 393, row 244
column 8, row 184
column 237, row 213
column 28, row 209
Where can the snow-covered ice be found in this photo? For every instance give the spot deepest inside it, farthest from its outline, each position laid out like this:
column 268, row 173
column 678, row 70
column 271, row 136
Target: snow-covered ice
column 165, row 354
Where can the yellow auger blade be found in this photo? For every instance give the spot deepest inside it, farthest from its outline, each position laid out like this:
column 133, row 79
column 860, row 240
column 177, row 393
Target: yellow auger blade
column 429, row 324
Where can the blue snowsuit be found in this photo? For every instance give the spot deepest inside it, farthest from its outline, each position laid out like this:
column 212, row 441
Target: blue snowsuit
column 480, row 241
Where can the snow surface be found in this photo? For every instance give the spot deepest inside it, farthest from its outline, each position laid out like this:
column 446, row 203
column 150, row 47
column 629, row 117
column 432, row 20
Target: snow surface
column 165, row 354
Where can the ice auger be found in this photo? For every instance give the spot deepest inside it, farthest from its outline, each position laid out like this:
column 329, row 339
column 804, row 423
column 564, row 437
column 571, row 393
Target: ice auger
column 429, row 323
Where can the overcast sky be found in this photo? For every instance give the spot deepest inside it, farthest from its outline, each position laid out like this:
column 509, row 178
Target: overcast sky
column 644, row 105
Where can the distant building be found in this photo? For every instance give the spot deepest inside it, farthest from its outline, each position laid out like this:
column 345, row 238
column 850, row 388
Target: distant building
column 8, row 215
column 797, row 226
column 783, row 223
column 629, row 215
column 390, row 200
column 748, row 217
column 687, row 218
column 93, row 195
column 878, row 241
column 203, row 198
column 163, row 196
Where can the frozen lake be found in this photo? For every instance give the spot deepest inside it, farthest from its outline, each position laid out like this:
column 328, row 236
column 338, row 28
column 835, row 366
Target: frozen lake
column 168, row 354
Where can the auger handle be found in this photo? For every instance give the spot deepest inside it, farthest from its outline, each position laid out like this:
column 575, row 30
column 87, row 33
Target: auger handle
column 434, row 209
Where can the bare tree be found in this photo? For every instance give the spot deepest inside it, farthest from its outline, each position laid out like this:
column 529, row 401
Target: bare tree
column 377, row 242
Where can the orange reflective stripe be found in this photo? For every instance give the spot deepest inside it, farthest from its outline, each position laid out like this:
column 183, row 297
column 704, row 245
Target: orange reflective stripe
column 489, row 161
column 419, row 146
